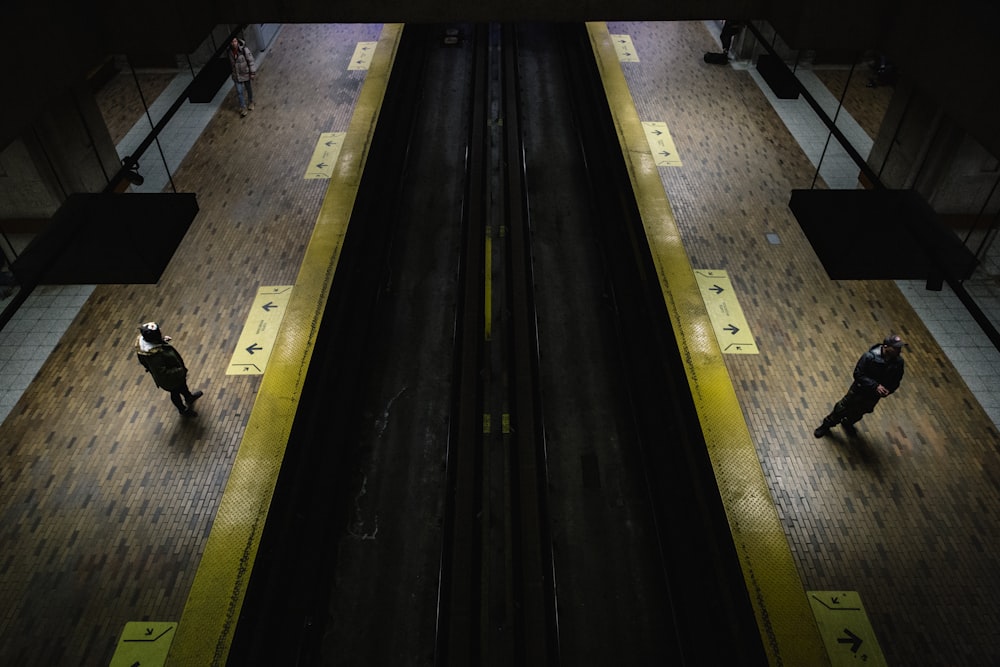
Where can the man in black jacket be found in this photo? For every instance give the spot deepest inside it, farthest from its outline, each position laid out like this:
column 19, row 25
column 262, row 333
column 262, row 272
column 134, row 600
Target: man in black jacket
column 165, row 364
column 876, row 375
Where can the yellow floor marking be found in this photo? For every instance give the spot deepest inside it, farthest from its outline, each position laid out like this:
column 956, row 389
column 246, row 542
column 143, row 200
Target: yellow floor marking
column 787, row 627
column 846, row 631
column 488, row 288
column 257, row 340
column 661, row 144
column 144, row 643
column 731, row 328
column 215, row 600
column 624, row 48
column 325, row 155
column 362, row 58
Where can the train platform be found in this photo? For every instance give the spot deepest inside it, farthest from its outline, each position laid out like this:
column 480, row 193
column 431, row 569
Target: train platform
column 118, row 511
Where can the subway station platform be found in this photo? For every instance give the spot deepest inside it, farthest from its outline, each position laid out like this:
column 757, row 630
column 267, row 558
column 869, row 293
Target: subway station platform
column 109, row 498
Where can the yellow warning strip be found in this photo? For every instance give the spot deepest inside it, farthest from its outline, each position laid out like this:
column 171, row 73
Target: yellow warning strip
column 788, row 629
column 205, row 631
column 488, row 287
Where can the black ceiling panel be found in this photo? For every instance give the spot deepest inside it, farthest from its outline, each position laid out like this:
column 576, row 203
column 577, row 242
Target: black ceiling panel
column 879, row 235
column 108, row 238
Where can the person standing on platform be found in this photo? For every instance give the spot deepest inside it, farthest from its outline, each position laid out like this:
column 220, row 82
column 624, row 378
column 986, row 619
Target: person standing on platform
column 165, row 364
column 244, row 72
column 729, row 30
column 876, row 375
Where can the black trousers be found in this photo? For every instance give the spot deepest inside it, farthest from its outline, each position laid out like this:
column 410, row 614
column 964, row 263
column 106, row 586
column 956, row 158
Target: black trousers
column 175, row 397
column 851, row 408
column 729, row 30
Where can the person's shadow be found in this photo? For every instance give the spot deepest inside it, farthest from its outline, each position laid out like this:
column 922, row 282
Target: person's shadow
column 187, row 431
column 858, row 451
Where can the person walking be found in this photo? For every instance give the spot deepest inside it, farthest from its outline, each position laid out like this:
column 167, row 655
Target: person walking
column 876, row 375
column 244, row 71
column 165, row 364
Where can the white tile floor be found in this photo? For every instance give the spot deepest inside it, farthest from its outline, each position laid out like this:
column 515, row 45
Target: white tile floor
column 27, row 340
column 29, row 337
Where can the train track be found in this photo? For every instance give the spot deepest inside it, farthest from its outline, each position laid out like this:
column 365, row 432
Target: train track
column 498, row 598
column 495, row 461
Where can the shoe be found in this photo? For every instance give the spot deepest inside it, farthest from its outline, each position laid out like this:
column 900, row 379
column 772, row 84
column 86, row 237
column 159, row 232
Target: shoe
column 849, row 429
column 188, row 413
column 195, row 395
column 821, row 431
column 243, row 112
column 250, row 106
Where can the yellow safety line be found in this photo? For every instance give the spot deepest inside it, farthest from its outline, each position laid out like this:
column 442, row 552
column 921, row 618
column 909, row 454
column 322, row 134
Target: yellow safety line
column 488, row 271
column 784, row 617
column 205, row 631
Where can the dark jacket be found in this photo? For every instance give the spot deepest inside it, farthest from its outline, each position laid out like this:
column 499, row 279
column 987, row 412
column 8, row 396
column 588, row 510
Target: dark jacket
column 164, row 363
column 873, row 370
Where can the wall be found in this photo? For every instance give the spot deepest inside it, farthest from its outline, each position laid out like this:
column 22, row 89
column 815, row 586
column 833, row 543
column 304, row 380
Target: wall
column 67, row 149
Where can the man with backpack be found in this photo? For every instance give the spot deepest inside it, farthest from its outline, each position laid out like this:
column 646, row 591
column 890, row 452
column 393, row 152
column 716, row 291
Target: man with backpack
column 244, row 71
column 165, row 364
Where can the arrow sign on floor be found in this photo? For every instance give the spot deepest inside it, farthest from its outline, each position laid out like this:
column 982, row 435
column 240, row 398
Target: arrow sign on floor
column 624, row 48
column 325, row 155
column 851, row 639
column 730, row 326
column 846, row 631
column 144, row 643
column 661, row 144
column 260, row 330
column 362, row 57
